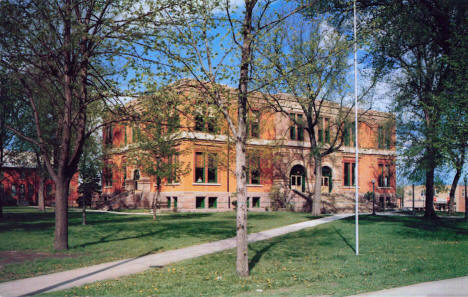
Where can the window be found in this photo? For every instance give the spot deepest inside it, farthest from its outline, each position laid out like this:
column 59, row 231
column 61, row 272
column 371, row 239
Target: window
column 173, row 161
column 108, row 134
column 205, row 123
column 324, row 130
column 199, row 167
column 125, row 134
column 107, row 177
column 384, row 137
column 136, row 174
column 206, row 167
column 168, row 202
column 49, row 190
column 136, row 133
column 174, row 199
column 30, row 190
column 22, row 174
column 256, row 202
column 349, row 174
column 348, row 134
column 199, row 123
column 255, row 124
column 296, row 130
column 384, row 176
column 200, row 202
column 212, row 168
column 22, row 191
column 213, row 202
column 13, row 190
column 248, row 202
column 253, row 170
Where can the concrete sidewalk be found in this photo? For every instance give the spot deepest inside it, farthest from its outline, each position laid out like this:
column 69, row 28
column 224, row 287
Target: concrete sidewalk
column 443, row 288
column 111, row 270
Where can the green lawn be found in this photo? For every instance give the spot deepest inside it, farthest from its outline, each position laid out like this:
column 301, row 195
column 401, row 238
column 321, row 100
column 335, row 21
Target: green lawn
column 109, row 237
column 395, row 251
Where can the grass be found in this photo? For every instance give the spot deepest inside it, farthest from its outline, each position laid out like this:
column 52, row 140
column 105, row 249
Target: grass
column 394, row 251
column 109, row 237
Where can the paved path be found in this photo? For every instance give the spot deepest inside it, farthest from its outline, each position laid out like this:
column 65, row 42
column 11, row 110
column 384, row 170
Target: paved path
column 111, row 270
column 444, row 288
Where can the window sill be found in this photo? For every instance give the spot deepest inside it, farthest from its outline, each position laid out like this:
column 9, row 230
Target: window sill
column 254, row 185
column 206, row 184
column 384, row 188
column 350, row 187
column 173, row 184
column 107, row 187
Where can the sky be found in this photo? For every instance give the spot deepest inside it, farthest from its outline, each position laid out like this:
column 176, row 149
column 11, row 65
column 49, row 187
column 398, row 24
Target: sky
column 381, row 98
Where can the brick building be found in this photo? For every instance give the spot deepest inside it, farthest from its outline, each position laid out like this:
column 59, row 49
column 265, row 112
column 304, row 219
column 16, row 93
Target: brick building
column 277, row 153
column 19, row 183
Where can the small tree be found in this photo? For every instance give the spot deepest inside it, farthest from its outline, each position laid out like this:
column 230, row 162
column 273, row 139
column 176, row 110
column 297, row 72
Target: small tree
column 157, row 152
column 309, row 60
column 90, row 172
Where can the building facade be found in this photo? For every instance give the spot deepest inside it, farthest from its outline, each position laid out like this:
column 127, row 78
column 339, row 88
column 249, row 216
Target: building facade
column 20, row 183
column 278, row 162
column 441, row 198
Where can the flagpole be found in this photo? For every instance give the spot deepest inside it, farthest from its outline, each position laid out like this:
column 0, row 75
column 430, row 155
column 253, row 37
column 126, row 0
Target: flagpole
column 356, row 126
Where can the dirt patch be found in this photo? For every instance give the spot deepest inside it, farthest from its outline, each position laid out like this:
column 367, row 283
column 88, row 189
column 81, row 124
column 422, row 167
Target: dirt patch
column 7, row 257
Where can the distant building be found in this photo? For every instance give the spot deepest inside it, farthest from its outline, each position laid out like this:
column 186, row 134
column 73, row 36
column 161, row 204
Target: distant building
column 20, row 180
column 441, row 198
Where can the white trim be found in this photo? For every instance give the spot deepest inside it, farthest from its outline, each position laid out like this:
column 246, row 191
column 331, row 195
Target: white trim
column 206, row 184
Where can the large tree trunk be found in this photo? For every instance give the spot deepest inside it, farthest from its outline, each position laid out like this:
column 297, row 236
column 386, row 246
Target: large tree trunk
column 429, row 211
column 242, row 264
column 1, row 204
column 318, row 186
column 451, row 208
column 61, row 214
column 40, row 194
column 83, row 212
column 156, row 199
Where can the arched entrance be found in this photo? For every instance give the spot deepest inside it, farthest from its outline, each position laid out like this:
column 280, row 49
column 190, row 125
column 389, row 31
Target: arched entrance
column 297, row 178
column 327, row 181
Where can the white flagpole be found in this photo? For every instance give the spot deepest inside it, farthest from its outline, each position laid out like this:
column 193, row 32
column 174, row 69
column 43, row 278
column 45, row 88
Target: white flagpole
column 356, row 171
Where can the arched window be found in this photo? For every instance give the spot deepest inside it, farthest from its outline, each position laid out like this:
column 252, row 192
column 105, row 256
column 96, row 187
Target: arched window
column 327, row 178
column 297, row 178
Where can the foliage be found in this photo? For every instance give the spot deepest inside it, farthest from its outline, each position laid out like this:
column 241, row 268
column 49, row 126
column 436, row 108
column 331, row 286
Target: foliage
column 309, row 60
column 415, row 46
column 65, row 55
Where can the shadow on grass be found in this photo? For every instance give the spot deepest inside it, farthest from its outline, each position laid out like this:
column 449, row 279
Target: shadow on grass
column 259, row 253
column 51, row 287
column 420, row 227
column 166, row 230
column 344, row 239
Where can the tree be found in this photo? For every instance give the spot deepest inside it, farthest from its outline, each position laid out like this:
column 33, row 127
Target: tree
column 65, row 56
column 309, row 60
column 214, row 44
column 157, row 152
column 90, row 172
column 410, row 43
column 9, row 107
